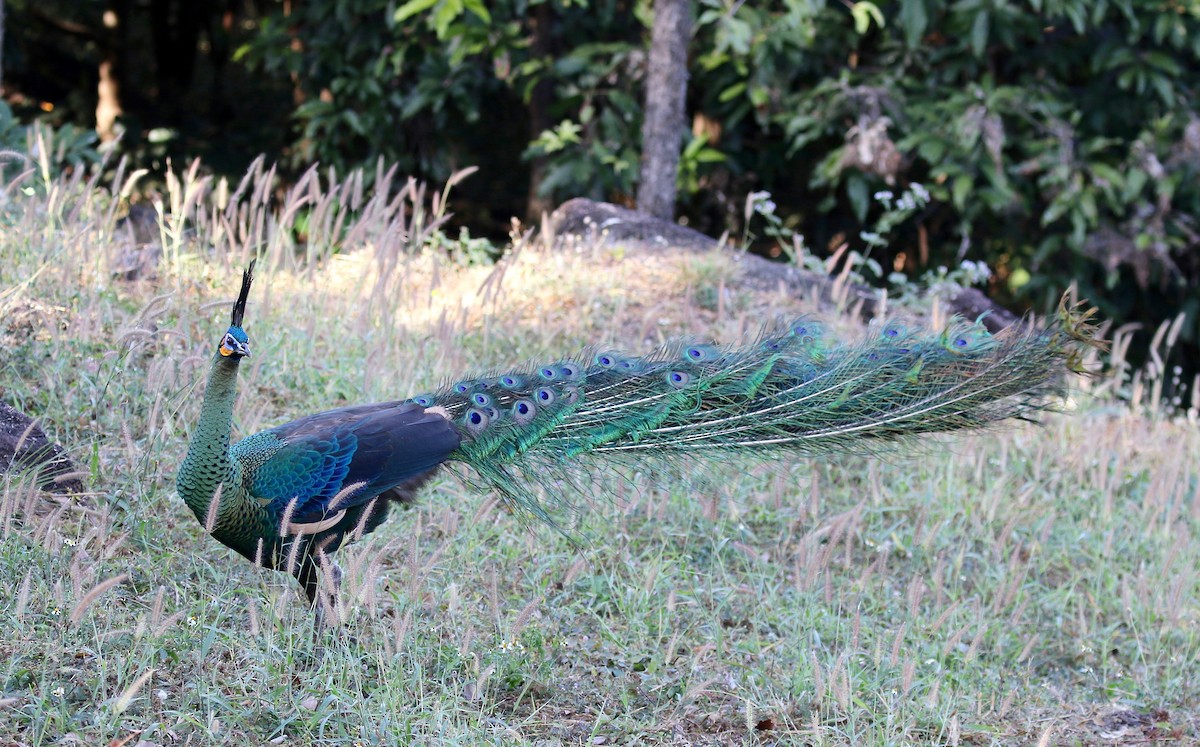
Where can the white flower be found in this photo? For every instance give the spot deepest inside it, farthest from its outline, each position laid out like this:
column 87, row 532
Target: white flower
column 761, row 202
column 976, row 272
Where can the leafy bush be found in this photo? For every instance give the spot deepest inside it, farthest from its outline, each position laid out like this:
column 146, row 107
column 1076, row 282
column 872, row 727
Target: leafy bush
column 51, row 149
column 1057, row 138
column 434, row 86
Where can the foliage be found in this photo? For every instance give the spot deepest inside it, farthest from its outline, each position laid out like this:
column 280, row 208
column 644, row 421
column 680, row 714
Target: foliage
column 52, row 149
column 449, row 82
column 597, row 92
column 1058, row 140
column 168, row 77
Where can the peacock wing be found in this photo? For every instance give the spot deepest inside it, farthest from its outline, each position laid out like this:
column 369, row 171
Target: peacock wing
column 324, row 463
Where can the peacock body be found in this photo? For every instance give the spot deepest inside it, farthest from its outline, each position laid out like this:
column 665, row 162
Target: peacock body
column 288, row 496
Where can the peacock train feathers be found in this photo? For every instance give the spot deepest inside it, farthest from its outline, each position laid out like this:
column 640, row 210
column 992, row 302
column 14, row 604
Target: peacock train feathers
column 288, row 496
column 793, row 389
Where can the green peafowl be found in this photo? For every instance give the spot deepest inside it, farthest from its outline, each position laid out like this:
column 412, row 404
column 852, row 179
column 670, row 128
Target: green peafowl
column 289, row 496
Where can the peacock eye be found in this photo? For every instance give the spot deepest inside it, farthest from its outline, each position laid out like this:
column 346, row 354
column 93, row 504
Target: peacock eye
column 679, row 379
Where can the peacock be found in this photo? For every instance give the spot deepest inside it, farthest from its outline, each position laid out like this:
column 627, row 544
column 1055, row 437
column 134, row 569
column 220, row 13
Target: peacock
column 288, row 497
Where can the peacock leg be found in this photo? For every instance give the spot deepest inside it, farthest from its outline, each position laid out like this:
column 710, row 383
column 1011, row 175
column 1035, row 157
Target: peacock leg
column 322, row 580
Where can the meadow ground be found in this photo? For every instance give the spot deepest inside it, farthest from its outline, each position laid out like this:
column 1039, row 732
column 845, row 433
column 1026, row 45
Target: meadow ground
column 1037, row 584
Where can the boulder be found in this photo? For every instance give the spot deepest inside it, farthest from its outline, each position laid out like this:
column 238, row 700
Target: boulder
column 24, row 446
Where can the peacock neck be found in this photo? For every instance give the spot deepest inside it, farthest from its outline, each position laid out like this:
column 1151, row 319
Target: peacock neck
column 207, row 464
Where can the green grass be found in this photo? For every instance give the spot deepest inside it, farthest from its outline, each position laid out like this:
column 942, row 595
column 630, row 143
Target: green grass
column 1034, row 585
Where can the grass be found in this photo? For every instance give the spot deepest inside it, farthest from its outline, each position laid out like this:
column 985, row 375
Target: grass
column 1032, row 585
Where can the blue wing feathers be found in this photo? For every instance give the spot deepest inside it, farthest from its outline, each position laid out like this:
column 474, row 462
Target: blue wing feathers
column 312, row 459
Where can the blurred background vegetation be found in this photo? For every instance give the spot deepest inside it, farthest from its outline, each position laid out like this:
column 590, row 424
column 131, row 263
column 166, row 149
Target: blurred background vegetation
column 1057, row 141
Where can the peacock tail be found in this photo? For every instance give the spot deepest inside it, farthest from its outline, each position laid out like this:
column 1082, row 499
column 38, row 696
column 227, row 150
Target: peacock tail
column 794, row 388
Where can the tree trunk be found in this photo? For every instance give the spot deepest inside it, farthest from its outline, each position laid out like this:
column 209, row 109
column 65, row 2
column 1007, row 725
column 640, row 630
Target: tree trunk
column 114, row 49
column 666, row 88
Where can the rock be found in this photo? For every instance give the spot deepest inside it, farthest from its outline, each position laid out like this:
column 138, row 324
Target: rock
column 588, row 219
column 970, row 303
column 24, row 446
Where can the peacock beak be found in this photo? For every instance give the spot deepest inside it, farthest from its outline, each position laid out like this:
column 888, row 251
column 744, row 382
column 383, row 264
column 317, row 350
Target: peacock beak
column 240, row 349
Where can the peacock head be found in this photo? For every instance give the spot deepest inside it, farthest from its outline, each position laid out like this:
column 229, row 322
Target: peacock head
column 235, row 344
